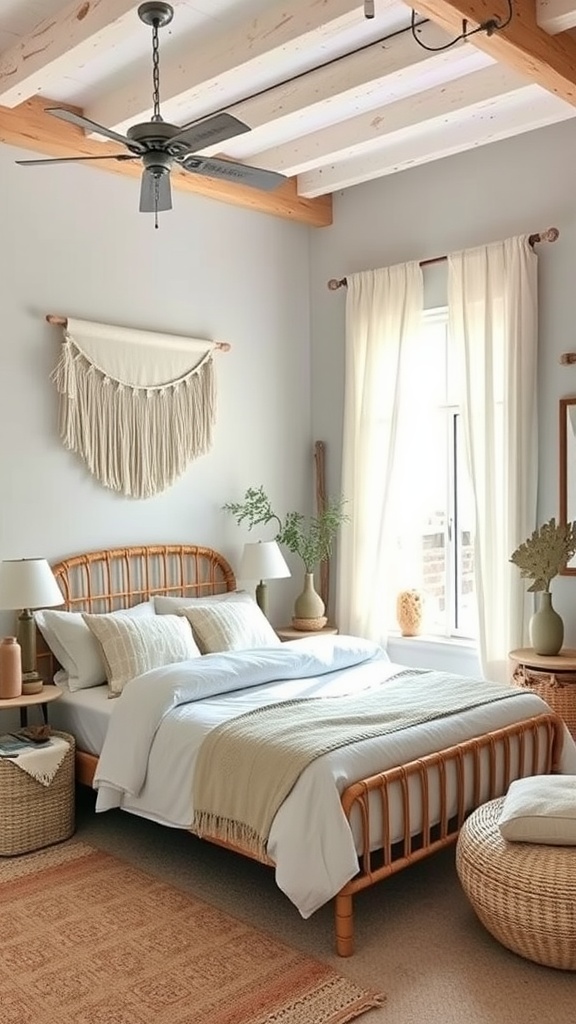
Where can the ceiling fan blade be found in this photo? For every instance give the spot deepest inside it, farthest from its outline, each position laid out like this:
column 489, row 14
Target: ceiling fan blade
column 241, row 174
column 74, row 159
column 208, row 132
column 91, row 126
column 155, row 193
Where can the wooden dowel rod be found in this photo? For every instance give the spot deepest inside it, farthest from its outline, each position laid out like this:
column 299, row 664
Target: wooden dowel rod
column 62, row 321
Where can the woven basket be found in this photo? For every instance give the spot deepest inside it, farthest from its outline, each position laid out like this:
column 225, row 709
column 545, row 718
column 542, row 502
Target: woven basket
column 33, row 815
column 310, row 625
column 523, row 893
column 558, row 690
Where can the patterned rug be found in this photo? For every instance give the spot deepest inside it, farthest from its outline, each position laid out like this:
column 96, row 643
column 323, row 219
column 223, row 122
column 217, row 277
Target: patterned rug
column 90, row 939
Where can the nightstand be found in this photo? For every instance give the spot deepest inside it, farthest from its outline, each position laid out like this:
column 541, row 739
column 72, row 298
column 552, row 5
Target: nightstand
column 289, row 633
column 47, row 694
column 553, row 678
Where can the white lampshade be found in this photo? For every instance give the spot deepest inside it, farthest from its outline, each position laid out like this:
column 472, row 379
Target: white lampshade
column 28, row 583
column 263, row 561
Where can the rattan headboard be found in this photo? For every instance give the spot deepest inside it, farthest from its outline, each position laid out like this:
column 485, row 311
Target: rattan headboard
column 106, row 581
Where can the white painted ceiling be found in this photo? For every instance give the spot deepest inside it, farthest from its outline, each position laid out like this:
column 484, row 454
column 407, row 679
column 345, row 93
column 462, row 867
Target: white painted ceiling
column 333, row 98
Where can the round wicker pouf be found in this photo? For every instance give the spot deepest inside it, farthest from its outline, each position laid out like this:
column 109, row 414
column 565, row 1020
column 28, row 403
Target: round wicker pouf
column 523, row 893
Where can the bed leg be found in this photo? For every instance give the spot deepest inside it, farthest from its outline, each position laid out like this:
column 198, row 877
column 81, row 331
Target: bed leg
column 344, row 925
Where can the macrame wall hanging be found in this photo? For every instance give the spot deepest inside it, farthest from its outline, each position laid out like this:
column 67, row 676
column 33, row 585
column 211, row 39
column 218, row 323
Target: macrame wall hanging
column 135, row 405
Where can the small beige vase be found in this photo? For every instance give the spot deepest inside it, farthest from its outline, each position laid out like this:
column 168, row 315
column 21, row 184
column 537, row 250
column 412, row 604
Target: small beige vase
column 409, row 611
column 309, row 608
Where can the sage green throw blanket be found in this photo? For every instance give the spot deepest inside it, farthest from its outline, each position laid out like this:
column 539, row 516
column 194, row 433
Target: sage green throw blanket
column 247, row 766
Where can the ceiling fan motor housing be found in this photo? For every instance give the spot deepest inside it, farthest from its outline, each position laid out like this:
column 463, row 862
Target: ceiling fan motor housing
column 155, row 136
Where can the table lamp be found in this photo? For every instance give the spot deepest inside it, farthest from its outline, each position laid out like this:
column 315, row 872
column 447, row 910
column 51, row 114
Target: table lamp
column 262, row 561
column 28, row 583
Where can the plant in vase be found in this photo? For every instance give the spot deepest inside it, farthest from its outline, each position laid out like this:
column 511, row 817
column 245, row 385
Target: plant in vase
column 540, row 558
column 309, row 537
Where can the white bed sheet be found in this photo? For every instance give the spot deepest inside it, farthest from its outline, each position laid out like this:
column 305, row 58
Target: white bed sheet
column 86, row 715
column 311, row 843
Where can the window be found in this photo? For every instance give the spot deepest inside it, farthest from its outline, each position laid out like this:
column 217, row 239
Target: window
column 431, row 511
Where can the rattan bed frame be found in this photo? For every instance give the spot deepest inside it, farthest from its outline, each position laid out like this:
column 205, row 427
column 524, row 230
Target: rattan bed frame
column 103, row 581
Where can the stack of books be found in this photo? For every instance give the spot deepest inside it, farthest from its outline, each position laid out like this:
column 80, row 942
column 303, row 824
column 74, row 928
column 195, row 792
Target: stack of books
column 11, row 745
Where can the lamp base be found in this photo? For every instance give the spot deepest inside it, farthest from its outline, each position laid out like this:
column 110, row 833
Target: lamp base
column 31, row 683
column 262, row 597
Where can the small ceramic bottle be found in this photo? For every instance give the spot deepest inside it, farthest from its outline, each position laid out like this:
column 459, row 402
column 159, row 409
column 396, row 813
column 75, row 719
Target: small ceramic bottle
column 10, row 668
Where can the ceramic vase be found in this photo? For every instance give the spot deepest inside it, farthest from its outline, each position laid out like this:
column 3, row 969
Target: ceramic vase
column 10, row 668
column 546, row 627
column 309, row 607
column 409, row 609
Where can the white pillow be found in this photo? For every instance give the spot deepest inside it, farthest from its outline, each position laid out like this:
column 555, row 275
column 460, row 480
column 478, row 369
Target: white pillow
column 175, row 605
column 231, row 626
column 540, row 809
column 74, row 646
column 133, row 646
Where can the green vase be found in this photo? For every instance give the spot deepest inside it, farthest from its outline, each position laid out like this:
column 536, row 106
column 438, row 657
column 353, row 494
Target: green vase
column 546, row 627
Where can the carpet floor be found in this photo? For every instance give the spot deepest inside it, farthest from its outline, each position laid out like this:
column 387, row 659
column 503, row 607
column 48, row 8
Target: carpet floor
column 417, row 938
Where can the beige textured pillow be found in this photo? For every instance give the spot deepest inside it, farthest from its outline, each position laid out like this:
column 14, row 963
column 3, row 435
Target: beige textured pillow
column 133, row 646
column 175, row 605
column 231, row 626
column 540, row 809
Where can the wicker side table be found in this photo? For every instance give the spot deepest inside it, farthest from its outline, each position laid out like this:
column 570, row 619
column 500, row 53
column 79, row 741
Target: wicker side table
column 33, row 815
column 552, row 678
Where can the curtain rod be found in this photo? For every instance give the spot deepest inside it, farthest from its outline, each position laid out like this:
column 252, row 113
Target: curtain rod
column 62, row 321
column 549, row 235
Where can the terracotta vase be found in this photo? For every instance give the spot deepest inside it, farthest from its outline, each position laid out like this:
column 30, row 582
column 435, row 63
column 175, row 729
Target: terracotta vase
column 10, row 668
column 546, row 627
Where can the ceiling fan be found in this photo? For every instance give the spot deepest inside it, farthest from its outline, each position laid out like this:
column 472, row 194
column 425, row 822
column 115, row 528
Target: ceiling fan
column 160, row 145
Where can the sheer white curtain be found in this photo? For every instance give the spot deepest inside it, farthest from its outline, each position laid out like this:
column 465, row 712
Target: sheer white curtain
column 383, row 316
column 493, row 325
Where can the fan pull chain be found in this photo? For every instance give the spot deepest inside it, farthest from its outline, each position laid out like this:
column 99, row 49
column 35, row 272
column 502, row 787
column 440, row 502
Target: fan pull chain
column 156, row 72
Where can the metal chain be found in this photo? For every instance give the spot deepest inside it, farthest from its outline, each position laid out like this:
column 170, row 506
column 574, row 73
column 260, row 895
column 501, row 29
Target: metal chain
column 156, row 116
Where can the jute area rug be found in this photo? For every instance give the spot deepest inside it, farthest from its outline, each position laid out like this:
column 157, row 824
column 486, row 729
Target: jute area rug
column 90, row 939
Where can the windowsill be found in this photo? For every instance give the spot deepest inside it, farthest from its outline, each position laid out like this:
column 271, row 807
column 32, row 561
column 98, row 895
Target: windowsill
column 429, row 639
column 449, row 654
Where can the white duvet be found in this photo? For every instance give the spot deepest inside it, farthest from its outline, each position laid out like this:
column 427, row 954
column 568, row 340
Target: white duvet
column 157, row 726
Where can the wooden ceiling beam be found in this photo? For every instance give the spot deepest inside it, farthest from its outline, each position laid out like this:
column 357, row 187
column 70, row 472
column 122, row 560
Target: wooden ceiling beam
column 344, row 86
column 554, row 16
column 198, row 78
column 483, row 124
column 60, row 45
column 29, row 127
column 550, row 61
column 367, row 132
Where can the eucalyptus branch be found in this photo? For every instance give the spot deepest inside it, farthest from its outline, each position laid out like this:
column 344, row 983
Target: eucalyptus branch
column 311, row 538
column 254, row 509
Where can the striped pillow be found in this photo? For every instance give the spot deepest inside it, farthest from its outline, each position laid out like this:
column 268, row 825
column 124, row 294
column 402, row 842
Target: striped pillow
column 231, row 626
column 133, row 646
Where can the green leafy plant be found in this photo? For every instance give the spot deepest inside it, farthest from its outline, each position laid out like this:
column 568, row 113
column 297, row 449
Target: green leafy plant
column 310, row 537
column 545, row 553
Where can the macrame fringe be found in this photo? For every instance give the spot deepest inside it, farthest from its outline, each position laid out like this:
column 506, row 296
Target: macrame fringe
column 237, row 833
column 135, row 440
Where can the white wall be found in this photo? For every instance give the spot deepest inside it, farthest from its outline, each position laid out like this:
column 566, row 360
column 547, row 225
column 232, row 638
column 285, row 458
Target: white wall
column 73, row 243
column 518, row 186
